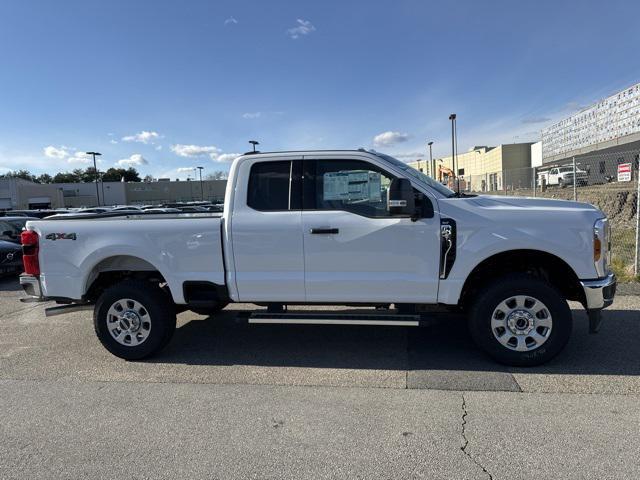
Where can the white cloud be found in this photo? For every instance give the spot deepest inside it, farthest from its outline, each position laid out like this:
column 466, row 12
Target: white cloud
column 251, row 115
column 231, row 21
column 53, row 152
column 158, row 147
column 81, row 158
column 71, row 155
column 226, row 157
column 185, row 169
column 410, row 155
column 195, row 150
column 134, row 160
column 386, row 139
column 143, row 137
column 113, row 141
column 303, row 27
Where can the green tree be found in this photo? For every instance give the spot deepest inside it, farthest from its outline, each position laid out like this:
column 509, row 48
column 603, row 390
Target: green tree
column 116, row 174
column 67, row 177
column 44, row 178
column 89, row 175
column 24, row 174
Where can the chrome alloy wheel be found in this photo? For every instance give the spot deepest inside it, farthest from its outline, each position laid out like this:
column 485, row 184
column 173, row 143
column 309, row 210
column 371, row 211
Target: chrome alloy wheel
column 128, row 322
column 521, row 323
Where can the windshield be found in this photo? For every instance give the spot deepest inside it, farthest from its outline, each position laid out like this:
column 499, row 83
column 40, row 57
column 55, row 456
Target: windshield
column 417, row 175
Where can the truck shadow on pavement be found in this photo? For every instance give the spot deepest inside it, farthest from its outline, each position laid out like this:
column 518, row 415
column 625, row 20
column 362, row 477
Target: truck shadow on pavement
column 444, row 347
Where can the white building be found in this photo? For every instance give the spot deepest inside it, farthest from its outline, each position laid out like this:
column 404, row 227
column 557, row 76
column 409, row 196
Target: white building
column 612, row 124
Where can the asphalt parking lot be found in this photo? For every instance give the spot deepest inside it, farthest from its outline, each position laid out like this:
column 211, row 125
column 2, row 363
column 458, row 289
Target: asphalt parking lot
column 231, row 400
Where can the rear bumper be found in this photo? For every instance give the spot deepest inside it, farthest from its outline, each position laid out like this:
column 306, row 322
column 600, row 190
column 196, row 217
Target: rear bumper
column 31, row 286
column 599, row 293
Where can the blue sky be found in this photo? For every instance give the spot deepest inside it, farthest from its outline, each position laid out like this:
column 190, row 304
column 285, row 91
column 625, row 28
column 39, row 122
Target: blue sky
column 166, row 85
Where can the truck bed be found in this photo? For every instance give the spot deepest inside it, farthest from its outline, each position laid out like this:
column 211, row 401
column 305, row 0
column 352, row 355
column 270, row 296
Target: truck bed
column 75, row 250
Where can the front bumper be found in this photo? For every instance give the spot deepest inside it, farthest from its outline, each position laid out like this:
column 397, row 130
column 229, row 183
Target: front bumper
column 599, row 293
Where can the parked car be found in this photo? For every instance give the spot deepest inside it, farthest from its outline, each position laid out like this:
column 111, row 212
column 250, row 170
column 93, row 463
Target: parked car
column 10, row 258
column 34, row 213
column 126, row 208
column 192, row 209
column 162, row 210
column 94, row 210
column 11, row 227
column 337, row 228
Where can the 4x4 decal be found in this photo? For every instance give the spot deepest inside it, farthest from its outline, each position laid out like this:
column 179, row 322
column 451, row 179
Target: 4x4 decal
column 60, row 236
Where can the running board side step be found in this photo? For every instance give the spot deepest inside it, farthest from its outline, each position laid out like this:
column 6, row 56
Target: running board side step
column 334, row 319
column 62, row 309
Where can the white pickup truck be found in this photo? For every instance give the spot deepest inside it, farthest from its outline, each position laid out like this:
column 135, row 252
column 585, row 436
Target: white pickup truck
column 356, row 228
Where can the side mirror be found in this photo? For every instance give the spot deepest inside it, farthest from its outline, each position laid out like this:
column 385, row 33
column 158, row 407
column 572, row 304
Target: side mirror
column 424, row 207
column 400, row 200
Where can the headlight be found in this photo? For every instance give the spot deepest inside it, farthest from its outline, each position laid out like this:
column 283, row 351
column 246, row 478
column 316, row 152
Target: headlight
column 602, row 246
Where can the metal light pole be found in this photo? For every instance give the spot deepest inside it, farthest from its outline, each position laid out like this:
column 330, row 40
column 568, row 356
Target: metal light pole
column 201, row 187
column 432, row 165
column 102, row 186
column 452, row 117
column 636, row 264
column 95, row 171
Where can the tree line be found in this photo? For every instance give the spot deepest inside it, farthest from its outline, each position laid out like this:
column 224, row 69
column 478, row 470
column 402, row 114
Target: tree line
column 78, row 175
column 88, row 174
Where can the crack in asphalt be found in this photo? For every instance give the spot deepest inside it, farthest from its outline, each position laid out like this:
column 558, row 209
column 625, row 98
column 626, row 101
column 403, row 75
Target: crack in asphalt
column 463, row 448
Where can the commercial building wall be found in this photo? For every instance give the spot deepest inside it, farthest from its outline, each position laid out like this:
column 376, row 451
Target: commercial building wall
column 181, row 191
column 609, row 123
column 78, row 195
column 485, row 168
column 18, row 194
column 35, row 196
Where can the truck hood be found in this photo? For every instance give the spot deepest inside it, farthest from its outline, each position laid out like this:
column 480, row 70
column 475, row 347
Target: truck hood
column 521, row 212
column 529, row 203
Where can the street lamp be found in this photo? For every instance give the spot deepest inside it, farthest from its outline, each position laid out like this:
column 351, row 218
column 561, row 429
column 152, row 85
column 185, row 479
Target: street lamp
column 454, row 142
column 431, row 164
column 95, row 171
column 201, row 187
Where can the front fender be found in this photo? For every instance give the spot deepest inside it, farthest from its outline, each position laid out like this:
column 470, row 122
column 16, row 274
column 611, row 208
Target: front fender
column 572, row 245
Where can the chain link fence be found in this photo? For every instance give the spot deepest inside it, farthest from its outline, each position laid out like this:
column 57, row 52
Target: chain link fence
column 607, row 180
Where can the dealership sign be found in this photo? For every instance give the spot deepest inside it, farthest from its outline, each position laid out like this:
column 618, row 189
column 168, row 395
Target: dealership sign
column 624, row 172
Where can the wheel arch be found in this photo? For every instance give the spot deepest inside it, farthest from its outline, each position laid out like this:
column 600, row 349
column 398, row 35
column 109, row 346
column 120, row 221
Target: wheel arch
column 116, row 268
column 537, row 263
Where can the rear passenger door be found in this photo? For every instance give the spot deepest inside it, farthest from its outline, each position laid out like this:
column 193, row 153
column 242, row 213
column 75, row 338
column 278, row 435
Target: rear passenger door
column 266, row 230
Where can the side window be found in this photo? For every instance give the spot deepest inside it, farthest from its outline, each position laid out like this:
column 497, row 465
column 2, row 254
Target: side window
column 5, row 227
column 351, row 185
column 269, row 184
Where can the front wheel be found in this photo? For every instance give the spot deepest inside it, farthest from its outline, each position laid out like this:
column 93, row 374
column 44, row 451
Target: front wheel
column 520, row 320
column 134, row 319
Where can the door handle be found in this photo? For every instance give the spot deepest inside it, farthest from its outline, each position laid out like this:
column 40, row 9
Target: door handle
column 324, row 231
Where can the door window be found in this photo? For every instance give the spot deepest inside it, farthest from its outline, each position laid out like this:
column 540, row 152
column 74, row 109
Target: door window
column 274, row 186
column 351, row 185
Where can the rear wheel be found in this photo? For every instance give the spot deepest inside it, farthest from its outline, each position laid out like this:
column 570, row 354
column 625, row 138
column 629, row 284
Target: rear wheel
column 520, row 320
column 134, row 319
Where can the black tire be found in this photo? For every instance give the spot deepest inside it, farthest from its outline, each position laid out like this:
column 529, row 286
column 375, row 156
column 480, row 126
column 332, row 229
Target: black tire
column 486, row 303
column 161, row 318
